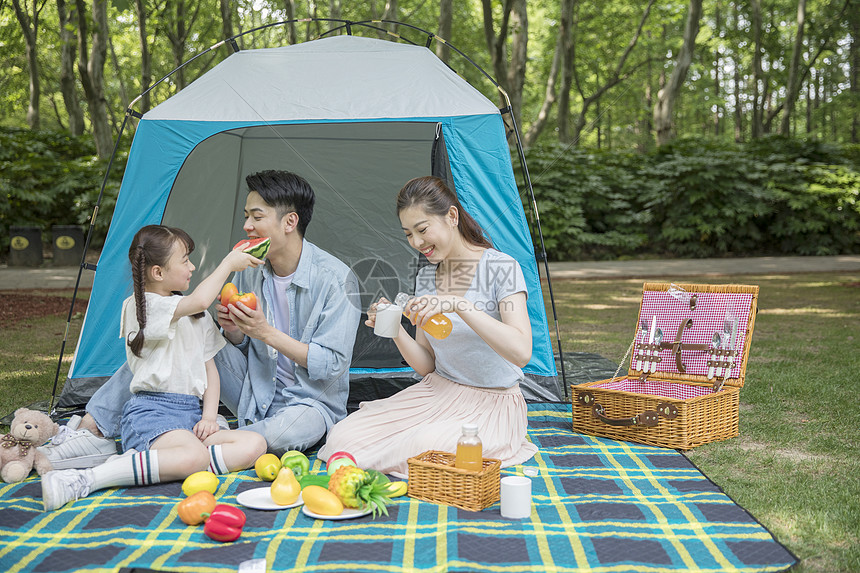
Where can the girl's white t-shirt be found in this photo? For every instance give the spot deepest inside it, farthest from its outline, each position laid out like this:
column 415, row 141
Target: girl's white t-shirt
column 174, row 352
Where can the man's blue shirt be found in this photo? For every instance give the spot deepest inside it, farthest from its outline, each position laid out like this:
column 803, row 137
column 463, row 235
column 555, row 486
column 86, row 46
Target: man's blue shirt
column 324, row 314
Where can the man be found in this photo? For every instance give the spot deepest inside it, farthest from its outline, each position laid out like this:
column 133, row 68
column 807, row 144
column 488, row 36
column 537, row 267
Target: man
column 286, row 373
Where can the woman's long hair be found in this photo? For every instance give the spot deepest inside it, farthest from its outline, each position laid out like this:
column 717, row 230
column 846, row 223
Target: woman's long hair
column 151, row 246
column 436, row 198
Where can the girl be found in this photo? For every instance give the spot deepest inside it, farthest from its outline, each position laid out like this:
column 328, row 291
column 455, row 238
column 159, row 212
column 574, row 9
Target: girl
column 472, row 375
column 171, row 344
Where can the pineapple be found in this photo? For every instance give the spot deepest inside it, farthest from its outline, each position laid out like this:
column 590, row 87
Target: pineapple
column 357, row 488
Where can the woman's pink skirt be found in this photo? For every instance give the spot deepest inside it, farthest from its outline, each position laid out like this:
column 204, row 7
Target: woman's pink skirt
column 384, row 434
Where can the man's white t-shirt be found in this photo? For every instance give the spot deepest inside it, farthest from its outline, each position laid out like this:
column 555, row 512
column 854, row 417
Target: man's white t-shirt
column 281, row 315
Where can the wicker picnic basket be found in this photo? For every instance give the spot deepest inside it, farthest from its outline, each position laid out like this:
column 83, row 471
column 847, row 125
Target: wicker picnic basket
column 433, row 477
column 678, row 402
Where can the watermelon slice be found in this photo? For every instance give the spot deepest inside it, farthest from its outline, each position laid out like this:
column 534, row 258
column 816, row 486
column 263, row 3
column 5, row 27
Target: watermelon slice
column 257, row 247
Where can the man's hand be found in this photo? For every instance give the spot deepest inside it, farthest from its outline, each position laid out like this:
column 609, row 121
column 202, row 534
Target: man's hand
column 226, row 322
column 250, row 322
column 205, row 428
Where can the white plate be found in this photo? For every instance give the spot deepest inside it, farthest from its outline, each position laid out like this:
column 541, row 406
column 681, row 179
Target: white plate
column 348, row 513
column 261, row 498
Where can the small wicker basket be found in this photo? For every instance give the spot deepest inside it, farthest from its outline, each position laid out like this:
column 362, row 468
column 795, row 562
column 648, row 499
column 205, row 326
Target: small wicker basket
column 433, row 477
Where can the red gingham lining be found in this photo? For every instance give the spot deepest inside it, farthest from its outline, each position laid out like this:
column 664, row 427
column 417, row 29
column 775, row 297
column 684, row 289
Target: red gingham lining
column 708, row 317
column 672, row 390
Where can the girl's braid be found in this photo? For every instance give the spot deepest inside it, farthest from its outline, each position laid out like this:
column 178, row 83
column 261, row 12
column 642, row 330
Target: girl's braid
column 138, row 273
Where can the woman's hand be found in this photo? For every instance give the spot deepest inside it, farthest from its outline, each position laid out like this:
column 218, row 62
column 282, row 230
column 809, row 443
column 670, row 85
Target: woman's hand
column 423, row 308
column 205, row 428
column 371, row 312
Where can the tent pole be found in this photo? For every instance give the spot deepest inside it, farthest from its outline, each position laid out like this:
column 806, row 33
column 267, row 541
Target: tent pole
column 84, row 264
column 528, row 183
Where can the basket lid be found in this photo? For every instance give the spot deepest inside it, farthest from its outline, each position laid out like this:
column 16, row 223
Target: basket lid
column 701, row 326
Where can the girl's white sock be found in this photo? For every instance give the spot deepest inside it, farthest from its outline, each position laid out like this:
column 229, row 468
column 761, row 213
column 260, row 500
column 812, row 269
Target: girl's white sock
column 140, row 468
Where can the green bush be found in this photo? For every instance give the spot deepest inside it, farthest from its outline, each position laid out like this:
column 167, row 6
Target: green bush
column 51, row 178
column 699, row 197
column 708, row 199
column 587, row 202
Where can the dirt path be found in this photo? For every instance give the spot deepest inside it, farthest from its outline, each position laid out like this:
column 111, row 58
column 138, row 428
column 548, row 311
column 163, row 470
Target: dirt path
column 21, row 305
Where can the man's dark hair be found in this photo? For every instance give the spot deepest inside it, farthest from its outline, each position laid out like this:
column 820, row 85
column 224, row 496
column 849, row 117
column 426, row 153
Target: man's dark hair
column 285, row 191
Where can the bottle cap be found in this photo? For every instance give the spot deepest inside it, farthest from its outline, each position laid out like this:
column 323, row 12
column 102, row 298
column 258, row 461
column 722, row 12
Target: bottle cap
column 401, row 299
column 471, row 427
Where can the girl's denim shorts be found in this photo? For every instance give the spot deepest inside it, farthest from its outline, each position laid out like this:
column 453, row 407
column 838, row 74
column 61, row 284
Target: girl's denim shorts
column 147, row 415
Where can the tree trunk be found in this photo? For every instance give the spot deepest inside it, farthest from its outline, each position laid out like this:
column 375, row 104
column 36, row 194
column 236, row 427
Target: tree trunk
column 334, row 9
column 854, row 78
column 666, row 97
column 391, row 12
column 793, row 87
column 226, row 7
column 91, row 70
column 290, row 7
column 758, row 73
column 67, row 69
column 568, row 62
column 614, row 78
column 177, row 33
column 539, row 123
column 810, row 102
column 718, row 25
column 446, row 21
column 644, row 140
column 510, row 75
column 145, row 57
column 736, row 88
column 30, row 28
column 519, row 56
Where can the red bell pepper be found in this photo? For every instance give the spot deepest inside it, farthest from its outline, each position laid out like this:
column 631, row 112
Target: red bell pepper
column 224, row 523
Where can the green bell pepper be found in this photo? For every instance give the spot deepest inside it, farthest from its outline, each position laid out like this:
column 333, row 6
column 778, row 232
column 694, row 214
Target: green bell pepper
column 297, row 462
column 314, row 479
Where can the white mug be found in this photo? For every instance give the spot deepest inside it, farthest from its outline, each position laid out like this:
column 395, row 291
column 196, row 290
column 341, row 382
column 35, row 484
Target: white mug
column 387, row 320
column 516, row 494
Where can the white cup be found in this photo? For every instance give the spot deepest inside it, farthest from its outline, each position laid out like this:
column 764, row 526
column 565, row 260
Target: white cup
column 516, row 493
column 387, row 320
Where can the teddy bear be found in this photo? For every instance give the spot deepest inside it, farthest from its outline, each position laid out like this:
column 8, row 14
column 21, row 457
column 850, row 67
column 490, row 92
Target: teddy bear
column 18, row 453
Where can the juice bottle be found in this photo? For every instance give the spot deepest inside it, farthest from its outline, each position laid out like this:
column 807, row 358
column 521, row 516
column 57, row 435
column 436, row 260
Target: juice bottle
column 469, row 451
column 439, row 326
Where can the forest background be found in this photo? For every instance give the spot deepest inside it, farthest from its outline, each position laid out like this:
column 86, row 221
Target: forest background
column 658, row 128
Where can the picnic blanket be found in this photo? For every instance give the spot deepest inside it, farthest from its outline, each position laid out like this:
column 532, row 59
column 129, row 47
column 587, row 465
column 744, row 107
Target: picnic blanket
column 598, row 505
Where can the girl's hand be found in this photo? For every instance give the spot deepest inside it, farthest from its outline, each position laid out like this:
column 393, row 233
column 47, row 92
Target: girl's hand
column 205, row 428
column 237, row 261
column 371, row 312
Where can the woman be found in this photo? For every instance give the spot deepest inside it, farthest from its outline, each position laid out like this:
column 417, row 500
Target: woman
column 472, row 375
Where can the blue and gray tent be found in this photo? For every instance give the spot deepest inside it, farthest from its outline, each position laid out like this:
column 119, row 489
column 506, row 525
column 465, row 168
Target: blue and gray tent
column 357, row 117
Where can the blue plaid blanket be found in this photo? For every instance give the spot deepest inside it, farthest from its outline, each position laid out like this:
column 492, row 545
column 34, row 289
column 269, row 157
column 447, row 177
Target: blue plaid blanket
column 598, row 505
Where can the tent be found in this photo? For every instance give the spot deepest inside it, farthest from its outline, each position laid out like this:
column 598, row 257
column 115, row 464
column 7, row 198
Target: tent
column 357, row 117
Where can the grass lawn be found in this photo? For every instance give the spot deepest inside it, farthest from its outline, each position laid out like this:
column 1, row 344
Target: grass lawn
column 796, row 463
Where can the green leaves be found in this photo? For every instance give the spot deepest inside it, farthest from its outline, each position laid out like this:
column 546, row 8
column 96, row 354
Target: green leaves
column 51, row 178
column 698, row 197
